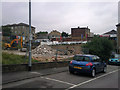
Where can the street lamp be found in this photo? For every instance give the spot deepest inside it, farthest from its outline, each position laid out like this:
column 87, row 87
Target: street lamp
column 30, row 38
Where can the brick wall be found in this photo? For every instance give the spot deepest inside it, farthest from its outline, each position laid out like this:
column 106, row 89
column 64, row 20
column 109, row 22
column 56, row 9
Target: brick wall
column 72, row 49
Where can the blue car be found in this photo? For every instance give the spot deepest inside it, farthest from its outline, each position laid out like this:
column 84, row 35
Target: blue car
column 90, row 64
column 115, row 59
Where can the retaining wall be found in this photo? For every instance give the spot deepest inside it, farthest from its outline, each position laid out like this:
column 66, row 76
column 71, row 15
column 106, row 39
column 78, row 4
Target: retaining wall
column 35, row 66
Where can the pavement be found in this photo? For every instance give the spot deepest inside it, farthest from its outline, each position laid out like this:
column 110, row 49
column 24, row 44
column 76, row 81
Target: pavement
column 19, row 76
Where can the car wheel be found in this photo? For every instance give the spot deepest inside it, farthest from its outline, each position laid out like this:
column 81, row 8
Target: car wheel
column 104, row 69
column 93, row 73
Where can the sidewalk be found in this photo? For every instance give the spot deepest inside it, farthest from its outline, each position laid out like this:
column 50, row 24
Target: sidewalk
column 18, row 76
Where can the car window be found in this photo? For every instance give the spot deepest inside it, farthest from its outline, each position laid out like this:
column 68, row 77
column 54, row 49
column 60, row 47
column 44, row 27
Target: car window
column 96, row 59
column 117, row 56
column 81, row 58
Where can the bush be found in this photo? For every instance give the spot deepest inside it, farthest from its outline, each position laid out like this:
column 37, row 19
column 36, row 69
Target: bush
column 100, row 46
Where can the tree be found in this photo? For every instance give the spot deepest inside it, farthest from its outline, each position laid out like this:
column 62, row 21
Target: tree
column 6, row 31
column 64, row 34
column 100, row 46
column 42, row 32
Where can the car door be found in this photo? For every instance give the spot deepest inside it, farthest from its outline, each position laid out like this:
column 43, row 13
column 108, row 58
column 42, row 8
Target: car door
column 101, row 64
column 97, row 63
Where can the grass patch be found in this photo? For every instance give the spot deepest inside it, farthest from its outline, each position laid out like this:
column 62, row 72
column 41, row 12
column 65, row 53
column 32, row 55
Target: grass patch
column 15, row 59
column 67, row 59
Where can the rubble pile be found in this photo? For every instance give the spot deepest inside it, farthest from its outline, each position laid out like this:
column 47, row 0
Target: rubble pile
column 44, row 53
column 43, row 50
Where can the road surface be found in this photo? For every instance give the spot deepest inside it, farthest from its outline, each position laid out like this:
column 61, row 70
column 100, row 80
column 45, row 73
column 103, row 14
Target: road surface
column 69, row 81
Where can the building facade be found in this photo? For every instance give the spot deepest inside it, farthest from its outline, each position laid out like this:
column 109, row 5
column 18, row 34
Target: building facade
column 21, row 29
column 112, row 35
column 80, row 33
column 118, row 37
column 42, row 35
column 54, row 34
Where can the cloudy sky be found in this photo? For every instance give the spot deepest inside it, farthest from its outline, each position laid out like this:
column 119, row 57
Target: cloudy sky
column 100, row 17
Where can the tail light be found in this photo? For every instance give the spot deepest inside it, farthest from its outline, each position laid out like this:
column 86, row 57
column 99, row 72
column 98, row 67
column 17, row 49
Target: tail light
column 89, row 64
column 70, row 62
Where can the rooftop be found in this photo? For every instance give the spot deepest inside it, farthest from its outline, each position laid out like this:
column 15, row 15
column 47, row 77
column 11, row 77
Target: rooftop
column 111, row 32
column 81, row 28
column 19, row 24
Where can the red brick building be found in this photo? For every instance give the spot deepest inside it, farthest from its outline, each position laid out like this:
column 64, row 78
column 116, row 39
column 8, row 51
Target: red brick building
column 77, row 34
column 80, row 33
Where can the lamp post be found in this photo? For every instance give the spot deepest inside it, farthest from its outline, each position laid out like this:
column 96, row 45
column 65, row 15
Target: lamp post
column 30, row 38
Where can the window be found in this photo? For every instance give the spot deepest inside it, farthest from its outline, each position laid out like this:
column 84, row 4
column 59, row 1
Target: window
column 11, row 27
column 96, row 59
column 81, row 58
column 116, row 56
column 15, row 27
column 53, row 36
column 23, row 27
column 15, row 32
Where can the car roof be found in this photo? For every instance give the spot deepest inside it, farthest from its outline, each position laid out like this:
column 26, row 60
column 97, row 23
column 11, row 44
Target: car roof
column 88, row 55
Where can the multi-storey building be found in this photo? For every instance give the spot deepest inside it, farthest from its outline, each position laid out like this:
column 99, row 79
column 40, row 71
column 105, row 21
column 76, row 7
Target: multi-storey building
column 21, row 29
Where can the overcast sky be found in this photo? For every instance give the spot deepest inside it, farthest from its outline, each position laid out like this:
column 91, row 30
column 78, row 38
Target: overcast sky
column 100, row 17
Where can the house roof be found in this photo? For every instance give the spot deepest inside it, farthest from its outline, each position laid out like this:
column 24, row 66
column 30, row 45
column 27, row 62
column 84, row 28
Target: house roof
column 54, row 31
column 118, row 24
column 111, row 32
column 19, row 24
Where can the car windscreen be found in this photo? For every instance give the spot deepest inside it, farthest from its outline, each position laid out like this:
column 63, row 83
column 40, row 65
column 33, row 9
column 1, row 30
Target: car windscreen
column 117, row 56
column 81, row 58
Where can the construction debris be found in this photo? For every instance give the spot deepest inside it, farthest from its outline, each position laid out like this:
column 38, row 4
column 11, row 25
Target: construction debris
column 43, row 51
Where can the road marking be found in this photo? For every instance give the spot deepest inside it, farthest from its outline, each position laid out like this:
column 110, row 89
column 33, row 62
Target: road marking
column 58, row 81
column 91, row 79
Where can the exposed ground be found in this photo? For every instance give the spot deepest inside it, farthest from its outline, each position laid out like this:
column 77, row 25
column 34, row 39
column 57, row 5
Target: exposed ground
column 45, row 53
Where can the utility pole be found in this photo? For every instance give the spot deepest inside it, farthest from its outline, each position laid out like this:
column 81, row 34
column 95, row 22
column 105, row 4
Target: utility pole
column 30, row 38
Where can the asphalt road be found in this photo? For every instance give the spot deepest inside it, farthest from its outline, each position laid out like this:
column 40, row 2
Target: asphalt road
column 70, row 81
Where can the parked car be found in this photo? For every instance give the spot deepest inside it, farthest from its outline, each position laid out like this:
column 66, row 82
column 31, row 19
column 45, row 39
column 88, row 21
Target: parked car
column 90, row 64
column 115, row 59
